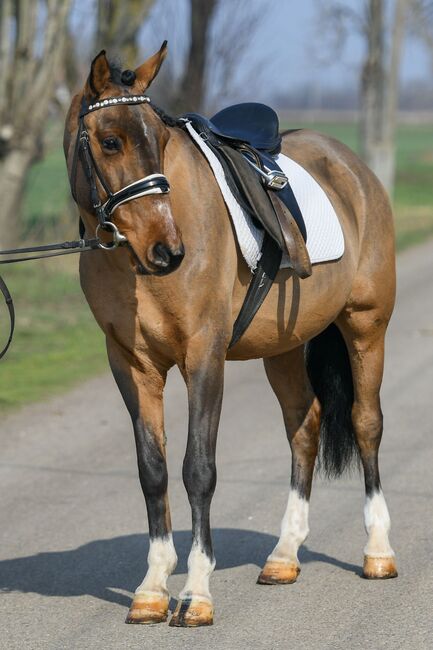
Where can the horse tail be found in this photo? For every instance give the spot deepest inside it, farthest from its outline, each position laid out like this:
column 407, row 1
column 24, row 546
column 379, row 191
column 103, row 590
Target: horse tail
column 330, row 374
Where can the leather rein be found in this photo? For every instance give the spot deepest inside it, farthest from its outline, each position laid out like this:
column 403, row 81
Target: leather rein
column 151, row 184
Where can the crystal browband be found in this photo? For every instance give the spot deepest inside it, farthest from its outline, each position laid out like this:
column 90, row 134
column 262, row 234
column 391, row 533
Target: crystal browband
column 112, row 101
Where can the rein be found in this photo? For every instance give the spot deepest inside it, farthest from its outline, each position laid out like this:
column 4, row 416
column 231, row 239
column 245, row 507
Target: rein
column 152, row 184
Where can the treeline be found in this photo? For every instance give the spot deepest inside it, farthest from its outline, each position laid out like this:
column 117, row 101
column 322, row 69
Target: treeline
column 46, row 47
column 413, row 96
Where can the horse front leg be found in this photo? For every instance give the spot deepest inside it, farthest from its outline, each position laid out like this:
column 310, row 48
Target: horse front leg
column 204, row 375
column 141, row 384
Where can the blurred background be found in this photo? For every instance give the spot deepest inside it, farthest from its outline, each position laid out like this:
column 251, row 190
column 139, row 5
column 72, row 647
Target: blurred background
column 359, row 70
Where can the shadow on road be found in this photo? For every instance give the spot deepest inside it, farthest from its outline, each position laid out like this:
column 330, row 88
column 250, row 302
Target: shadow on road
column 99, row 567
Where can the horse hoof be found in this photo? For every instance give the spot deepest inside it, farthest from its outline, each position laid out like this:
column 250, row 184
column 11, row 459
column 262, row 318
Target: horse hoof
column 379, row 568
column 146, row 610
column 278, row 573
column 192, row 613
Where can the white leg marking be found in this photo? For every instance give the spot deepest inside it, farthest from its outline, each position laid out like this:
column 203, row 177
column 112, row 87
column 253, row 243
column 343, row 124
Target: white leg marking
column 377, row 526
column 162, row 560
column 200, row 568
column 294, row 530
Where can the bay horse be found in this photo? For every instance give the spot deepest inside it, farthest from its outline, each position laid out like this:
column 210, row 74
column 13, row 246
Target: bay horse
column 170, row 297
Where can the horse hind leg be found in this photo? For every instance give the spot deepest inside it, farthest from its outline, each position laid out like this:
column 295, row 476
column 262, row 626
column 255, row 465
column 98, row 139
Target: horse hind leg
column 301, row 412
column 364, row 334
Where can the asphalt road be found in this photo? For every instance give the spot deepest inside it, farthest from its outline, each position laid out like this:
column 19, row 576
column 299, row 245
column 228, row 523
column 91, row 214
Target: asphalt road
column 72, row 518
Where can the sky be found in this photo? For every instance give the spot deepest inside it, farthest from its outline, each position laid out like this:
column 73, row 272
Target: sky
column 289, row 47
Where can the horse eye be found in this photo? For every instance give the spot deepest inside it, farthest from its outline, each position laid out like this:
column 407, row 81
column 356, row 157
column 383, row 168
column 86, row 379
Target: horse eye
column 111, row 143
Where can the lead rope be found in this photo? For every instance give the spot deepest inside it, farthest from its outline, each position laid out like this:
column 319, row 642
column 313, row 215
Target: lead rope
column 10, row 306
column 64, row 248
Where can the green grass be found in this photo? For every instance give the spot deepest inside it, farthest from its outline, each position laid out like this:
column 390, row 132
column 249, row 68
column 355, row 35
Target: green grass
column 57, row 343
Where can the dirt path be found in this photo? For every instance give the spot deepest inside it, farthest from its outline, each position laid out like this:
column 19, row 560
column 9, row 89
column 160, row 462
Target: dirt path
column 72, row 517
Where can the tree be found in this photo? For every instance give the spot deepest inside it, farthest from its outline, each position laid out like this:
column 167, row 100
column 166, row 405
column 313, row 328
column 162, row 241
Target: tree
column 118, row 25
column 192, row 88
column 220, row 33
column 31, row 47
column 379, row 76
column 422, row 22
column 380, row 89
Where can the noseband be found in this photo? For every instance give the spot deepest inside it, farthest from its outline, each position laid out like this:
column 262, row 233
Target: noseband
column 151, row 184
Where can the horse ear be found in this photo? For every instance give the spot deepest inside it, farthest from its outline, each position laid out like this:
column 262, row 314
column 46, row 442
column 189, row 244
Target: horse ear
column 99, row 75
column 147, row 72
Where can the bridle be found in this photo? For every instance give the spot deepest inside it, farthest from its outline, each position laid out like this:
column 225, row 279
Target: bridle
column 155, row 183
column 152, row 184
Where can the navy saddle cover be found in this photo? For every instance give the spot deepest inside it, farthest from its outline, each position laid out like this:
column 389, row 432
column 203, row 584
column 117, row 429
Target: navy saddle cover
column 253, row 123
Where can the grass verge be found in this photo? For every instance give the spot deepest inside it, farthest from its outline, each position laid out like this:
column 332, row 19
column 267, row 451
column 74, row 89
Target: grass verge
column 57, row 342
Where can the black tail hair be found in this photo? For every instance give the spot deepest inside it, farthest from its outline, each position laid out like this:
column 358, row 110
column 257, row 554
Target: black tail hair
column 330, row 374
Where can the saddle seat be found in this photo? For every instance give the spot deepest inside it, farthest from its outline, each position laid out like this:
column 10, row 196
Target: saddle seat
column 251, row 122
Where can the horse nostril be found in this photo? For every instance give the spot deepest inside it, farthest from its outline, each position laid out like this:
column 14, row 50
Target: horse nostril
column 177, row 257
column 161, row 255
column 165, row 258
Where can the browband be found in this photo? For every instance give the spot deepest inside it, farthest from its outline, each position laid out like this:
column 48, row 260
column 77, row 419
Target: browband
column 112, row 101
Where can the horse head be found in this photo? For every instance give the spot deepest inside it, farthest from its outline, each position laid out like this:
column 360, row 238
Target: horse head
column 125, row 142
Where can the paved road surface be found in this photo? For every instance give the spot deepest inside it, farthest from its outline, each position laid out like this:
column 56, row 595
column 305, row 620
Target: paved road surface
column 72, row 517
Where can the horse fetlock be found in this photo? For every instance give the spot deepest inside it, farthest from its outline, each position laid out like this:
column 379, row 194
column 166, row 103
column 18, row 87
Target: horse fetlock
column 200, row 568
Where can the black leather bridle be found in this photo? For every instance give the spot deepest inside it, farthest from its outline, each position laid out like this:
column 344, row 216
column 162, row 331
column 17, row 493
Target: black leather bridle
column 152, row 184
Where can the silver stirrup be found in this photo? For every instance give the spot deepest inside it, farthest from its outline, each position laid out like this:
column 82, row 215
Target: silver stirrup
column 273, row 178
column 118, row 238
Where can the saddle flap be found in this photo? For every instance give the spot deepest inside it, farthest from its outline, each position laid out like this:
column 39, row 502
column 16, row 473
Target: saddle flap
column 271, row 212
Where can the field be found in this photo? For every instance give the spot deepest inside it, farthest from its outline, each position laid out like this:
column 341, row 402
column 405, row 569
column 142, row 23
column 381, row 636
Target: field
column 57, row 343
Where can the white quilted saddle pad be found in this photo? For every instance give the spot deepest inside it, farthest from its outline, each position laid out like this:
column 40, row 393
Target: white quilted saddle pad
column 325, row 240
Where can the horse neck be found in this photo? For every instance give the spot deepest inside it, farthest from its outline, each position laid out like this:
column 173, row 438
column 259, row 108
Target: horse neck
column 197, row 202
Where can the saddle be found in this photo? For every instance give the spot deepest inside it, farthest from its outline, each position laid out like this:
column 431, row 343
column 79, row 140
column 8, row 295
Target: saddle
column 245, row 138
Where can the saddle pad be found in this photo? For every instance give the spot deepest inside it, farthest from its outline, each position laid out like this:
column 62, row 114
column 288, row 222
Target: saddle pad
column 325, row 240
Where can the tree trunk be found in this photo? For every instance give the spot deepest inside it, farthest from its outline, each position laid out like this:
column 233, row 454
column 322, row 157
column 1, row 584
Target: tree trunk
column 31, row 58
column 192, row 88
column 13, row 172
column 379, row 92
